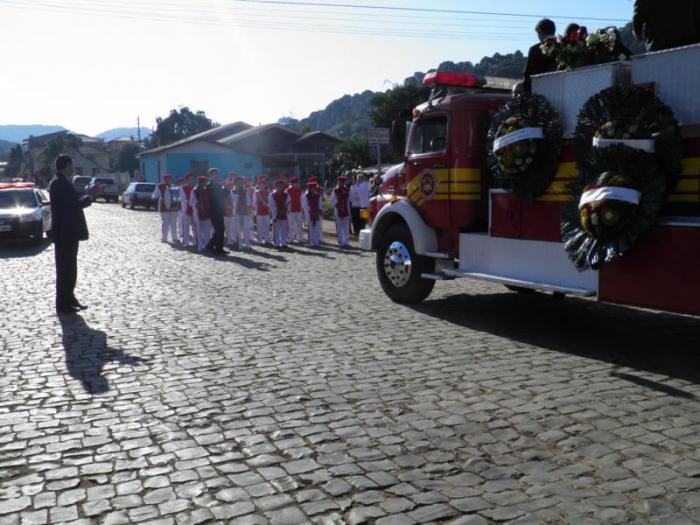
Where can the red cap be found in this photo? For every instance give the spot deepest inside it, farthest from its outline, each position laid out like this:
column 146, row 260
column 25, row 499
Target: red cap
column 342, row 178
column 189, row 176
column 232, row 175
column 202, row 178
column 312, row 183
column 280, row 182
column 294, row 179
column 167, row 176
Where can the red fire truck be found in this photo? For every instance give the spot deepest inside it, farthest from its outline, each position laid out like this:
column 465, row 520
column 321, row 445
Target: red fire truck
column 437, row 217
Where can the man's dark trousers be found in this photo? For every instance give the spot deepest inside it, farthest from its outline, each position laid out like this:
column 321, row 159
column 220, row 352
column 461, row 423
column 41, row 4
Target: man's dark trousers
column 217, row 238
column 66, row 253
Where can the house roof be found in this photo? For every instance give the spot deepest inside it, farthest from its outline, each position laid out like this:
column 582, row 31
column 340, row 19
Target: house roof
column 257, row 130
column 318, row 134
column 211, row 135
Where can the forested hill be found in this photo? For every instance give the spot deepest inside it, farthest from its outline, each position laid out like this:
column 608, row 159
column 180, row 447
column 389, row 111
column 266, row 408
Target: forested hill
column 349, row 116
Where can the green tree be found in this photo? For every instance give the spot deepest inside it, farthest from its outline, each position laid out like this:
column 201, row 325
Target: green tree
column 178, row 125
column 15, row 161
column 127, row 160
column 352, row 153
column 65, row 143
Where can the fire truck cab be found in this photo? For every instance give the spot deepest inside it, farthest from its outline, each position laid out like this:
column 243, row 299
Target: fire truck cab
column 437, row 216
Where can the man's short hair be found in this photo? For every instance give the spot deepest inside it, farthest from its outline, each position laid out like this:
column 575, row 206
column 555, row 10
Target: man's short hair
column 546, row 27
column 62, row 161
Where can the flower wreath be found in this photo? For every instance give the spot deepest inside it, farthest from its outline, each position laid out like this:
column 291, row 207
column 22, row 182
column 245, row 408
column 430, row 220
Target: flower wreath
column 634, row 117
column 615, row 203
column 524, row 142
column 585, row 49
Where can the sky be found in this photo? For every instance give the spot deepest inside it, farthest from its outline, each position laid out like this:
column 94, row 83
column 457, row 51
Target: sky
column 93, row 65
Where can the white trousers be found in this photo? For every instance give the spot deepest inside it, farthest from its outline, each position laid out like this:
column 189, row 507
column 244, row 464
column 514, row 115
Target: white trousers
column 243, row 227
column 342, row 228
column 315, row 233
column 262, row 224
column 281, row 232
column 168, row 223
column 230, row 228
column 203, row 234
column 187, row 233
column 296, row 233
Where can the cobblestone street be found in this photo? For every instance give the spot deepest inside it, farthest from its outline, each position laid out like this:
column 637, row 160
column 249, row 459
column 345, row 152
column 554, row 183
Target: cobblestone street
column 283, row 387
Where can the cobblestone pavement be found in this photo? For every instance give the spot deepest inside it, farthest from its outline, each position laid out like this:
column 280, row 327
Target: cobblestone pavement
column 283, row 387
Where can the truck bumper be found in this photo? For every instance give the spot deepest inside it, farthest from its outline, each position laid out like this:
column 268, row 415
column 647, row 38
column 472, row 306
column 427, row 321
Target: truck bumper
column 366, row 239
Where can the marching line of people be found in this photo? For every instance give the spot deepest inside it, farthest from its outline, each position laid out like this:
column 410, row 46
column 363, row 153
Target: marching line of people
column 212, row 214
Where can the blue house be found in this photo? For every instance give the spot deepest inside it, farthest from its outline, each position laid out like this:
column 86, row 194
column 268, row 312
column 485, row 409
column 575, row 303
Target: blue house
column 198, row 153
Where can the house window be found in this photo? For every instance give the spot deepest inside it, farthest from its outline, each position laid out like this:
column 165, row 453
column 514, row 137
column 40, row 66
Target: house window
column 199, row 167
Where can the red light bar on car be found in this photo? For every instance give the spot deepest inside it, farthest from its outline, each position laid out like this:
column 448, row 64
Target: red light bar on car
column 15, row 185
column 446, row 78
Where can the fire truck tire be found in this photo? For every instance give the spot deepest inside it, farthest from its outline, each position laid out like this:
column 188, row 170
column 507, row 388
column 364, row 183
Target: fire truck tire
column 399, row 268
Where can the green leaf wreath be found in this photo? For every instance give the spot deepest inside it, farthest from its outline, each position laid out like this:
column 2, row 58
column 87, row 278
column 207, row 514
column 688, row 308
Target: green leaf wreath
column 604, row 229
column 526, row 167
column 630, row 112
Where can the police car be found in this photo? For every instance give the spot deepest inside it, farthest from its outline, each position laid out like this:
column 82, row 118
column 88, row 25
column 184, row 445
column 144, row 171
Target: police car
column 25, row 212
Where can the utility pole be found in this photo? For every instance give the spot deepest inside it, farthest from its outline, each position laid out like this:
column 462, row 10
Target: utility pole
column 138, row 130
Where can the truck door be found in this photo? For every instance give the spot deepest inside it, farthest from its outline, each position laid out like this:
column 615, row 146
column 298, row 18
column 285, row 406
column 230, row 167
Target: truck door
column 427, row 168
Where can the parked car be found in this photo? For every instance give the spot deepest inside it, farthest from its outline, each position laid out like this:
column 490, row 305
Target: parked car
column 139, row 194
column 111, row 192
column 80, row 182
column 25, row 212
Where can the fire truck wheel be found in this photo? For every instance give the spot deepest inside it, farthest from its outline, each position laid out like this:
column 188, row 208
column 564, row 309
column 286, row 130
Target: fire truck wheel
column 399, row 268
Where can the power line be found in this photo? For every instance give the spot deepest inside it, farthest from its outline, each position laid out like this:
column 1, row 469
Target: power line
column 422, row 10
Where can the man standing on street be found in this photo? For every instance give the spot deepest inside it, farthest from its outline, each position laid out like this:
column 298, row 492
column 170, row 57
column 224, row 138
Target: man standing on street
column 538, row 62
column 294, row 218
column 278, row 202
column 262, row 211
column 216, row 211
column 313, row 209
column 69, row 228
column 340, row 199
column 186, row 224
column 199, row 201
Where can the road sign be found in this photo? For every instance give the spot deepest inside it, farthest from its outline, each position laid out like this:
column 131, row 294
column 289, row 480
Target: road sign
column 379, row 136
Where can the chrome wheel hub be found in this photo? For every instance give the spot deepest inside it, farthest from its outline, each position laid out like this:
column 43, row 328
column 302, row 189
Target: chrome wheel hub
column 397, row 264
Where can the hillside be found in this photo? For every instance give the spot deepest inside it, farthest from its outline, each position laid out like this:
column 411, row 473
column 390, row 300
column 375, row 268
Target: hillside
column 6, row 146
column 18, row 132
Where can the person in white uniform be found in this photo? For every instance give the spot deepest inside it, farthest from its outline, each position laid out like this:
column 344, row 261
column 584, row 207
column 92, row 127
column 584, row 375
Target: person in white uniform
column 187, row 231
column 340, row 199
column 312, row 202
column 279, row 208
column 241, row 211
column 199, row 200
column 167, row 209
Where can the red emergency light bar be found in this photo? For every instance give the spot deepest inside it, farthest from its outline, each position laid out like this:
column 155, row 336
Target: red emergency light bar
column 15, row 185
column 445, row 78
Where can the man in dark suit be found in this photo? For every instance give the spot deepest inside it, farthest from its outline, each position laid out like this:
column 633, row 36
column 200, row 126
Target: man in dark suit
column 69, row 228
column 671, row 23
column 538, row 62
column 216, row 211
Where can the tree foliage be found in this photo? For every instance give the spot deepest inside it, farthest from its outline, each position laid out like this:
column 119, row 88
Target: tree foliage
column 178, row 125
column 352, row 153
column 126, row 159
column 65, row 143
column 14, row 161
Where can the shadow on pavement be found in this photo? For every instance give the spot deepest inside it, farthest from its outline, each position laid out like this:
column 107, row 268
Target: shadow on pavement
column 309, row 251
column 87, row 353
column 659, row 343
column 20, row 249
column 337, row 249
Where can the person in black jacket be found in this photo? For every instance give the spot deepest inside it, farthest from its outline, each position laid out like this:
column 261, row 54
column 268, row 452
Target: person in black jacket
column 671, row 23
column 538, row 62
column 216, row 212
column 69, row 228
